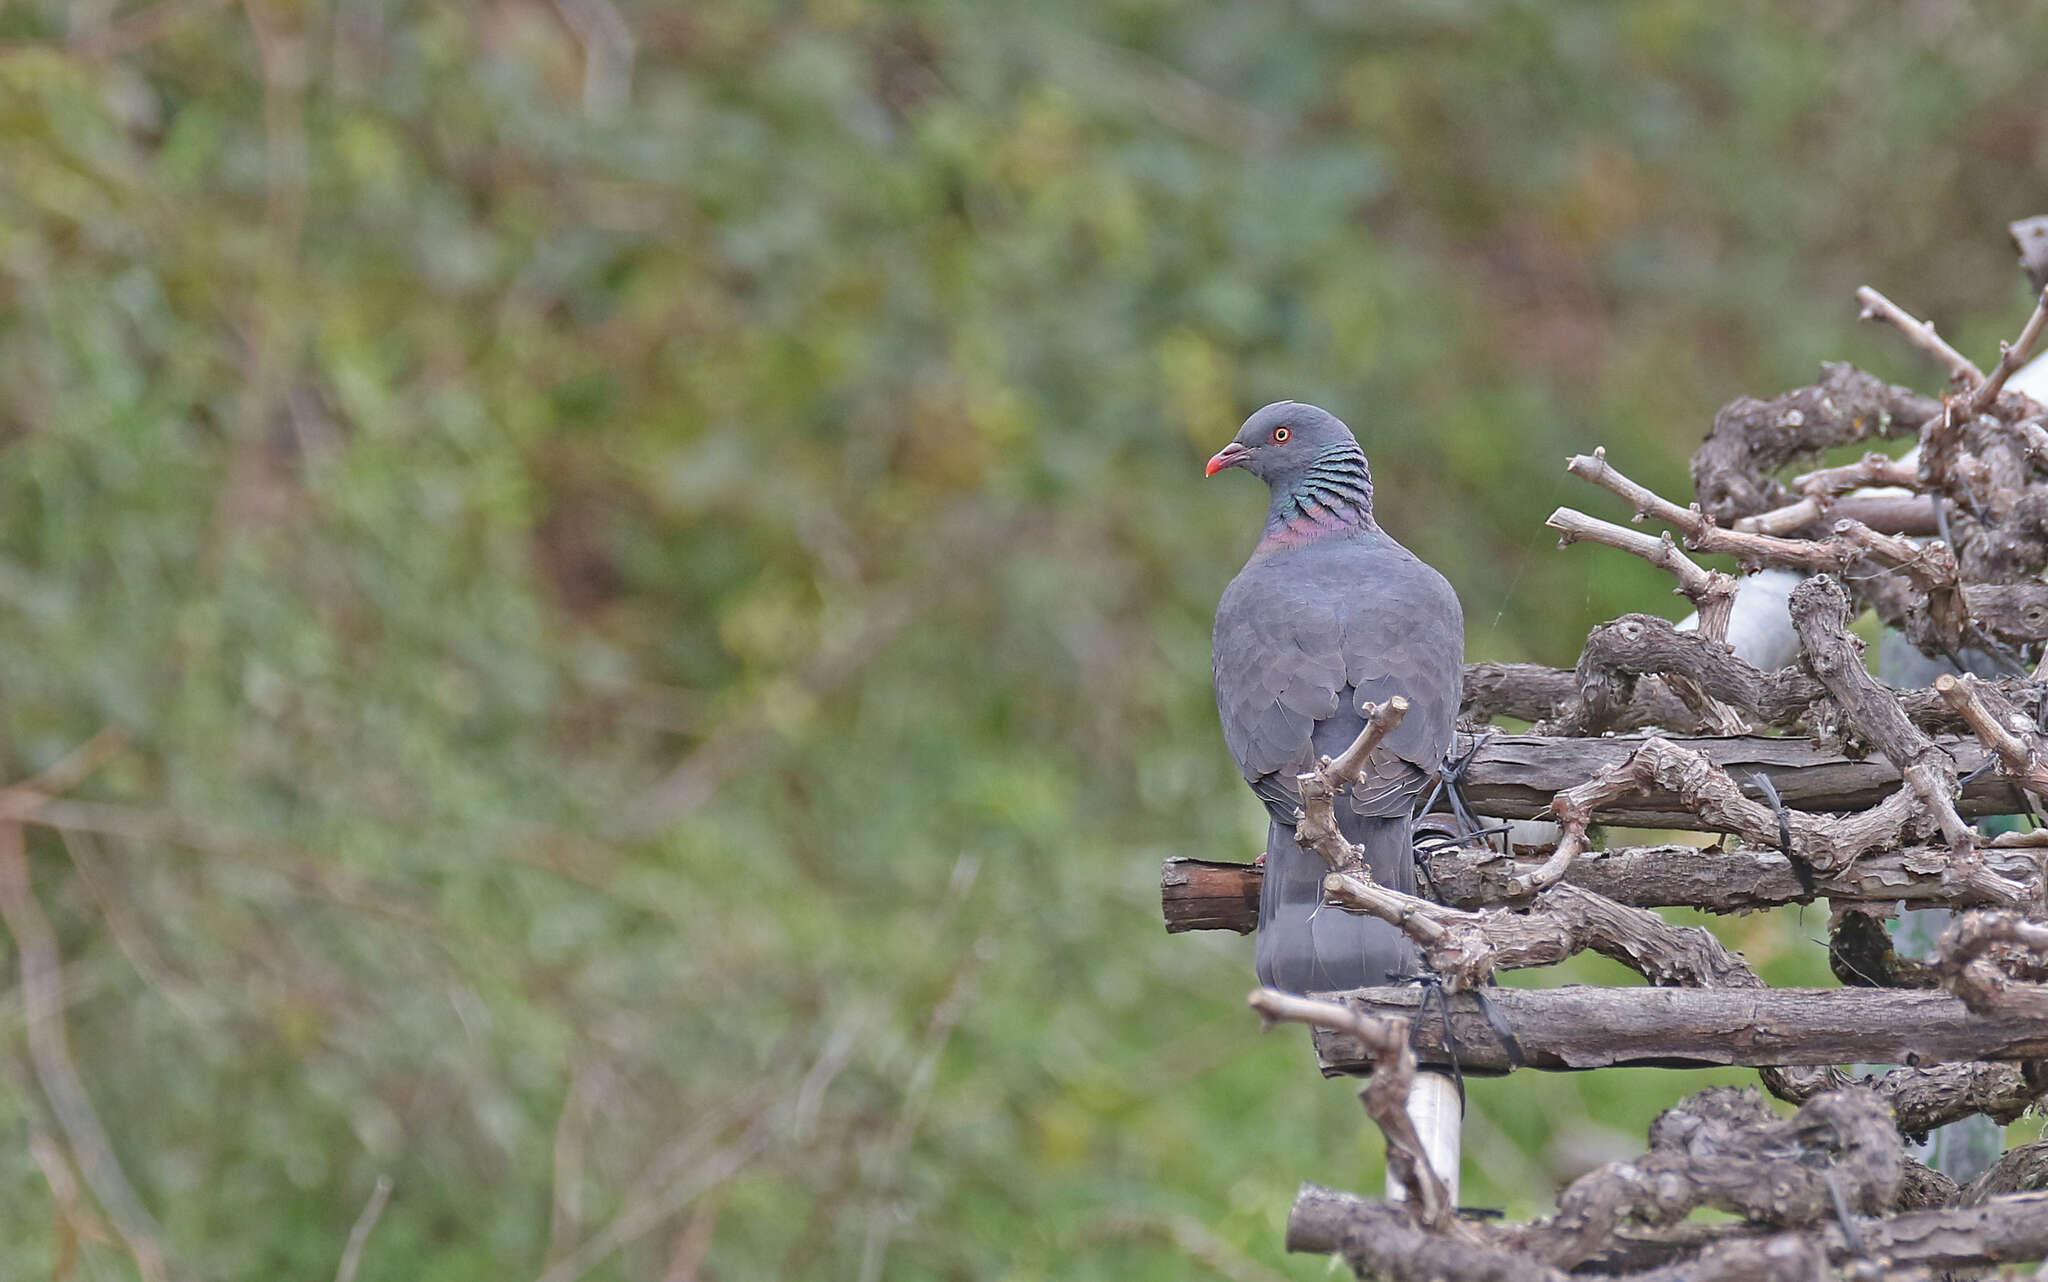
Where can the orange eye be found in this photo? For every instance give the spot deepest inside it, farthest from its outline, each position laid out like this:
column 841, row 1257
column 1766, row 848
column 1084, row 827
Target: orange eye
column 1280, row 434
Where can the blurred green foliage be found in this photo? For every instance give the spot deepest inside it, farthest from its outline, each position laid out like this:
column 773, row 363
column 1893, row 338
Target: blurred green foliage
column 663, row 624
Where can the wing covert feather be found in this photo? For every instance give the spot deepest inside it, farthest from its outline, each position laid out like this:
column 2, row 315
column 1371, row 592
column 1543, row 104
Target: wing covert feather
column 1304, row 636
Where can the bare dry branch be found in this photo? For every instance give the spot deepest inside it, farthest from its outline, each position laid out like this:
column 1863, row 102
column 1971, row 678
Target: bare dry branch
column 1820, row 613
column 1926, row 1097
column 1317, row 827
column 1377, row 1240
column 1929, row 600
column 1995, row 962
column 1198, row 894
column 1381, row 1240
column 1465, row 949
column 1718, row 693
column 1871, row 469
column 2010, row 357
column 1700, row 532
column 1594, row 467
column 1706, row 589
column 1519, row 776
column 1583, row 1027
column 1385, row 1096
column 1711, row 592
column 1891, row 513
column 1733, row 469
column 1605, row 691
column 2019, row 759
column 2020, row 1170
column 1815, row 818
column 1726, row 1149
column 1849, row 542
column 1575, row 808
column 1961, row 369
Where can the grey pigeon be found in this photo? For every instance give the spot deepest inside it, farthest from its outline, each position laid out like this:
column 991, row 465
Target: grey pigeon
column 1330, row 612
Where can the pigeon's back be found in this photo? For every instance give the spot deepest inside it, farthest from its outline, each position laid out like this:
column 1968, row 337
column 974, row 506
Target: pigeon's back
column 1305, row 634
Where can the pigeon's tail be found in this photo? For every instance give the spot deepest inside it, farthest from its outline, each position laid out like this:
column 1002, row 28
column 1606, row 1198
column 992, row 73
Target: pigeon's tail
column 1304, row 947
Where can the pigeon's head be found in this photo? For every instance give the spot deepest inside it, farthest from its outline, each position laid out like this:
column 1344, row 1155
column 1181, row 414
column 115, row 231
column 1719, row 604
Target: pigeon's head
column 1282, row 441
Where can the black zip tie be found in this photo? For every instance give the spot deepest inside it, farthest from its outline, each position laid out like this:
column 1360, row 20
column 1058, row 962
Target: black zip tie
column 1436, row 787
column 1433, row 990
column 2022, row 803
column 1435, row 790
column 1447, row 782
column 1954, row 658
column 1427, row 849
column 1461, row 764
column 1447, row 843
column 1427, row 879
column 1998, row 650
column 1800, row 868
column 1461, row 810
column 1989, row 765
column 1501, row 1028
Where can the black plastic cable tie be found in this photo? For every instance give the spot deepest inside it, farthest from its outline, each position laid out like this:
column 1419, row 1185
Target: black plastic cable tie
column 1435, row 790
column 1433, row 990
column 1502, row 1030
column 1451, row 843
column 1989, row 765
column 1800, row 868
column 1426, row 878
column 1453, row 771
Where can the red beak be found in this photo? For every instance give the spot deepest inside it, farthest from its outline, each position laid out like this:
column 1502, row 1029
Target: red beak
column 1229, row 456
